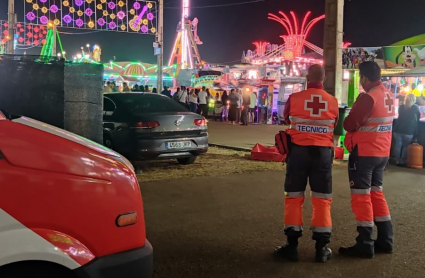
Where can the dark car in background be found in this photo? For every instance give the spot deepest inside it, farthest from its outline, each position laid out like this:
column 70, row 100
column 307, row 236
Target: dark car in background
column 146, row 126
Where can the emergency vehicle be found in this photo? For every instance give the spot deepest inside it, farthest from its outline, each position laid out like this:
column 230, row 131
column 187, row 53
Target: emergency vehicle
column 69, row 207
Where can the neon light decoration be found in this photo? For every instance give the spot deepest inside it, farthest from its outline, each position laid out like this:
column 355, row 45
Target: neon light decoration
column 25, row 34
column 260, row 48
column 133, row 16
column 185, row 50
column 296, row 34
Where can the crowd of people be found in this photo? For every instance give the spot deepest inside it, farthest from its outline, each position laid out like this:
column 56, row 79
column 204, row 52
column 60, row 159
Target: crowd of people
column 236, row 106
column 352, row 58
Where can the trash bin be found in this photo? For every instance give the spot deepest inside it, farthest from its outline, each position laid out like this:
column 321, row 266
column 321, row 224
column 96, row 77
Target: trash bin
column 343, row 113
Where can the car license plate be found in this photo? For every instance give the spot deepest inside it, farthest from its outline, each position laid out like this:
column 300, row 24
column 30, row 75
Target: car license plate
column 179, row 145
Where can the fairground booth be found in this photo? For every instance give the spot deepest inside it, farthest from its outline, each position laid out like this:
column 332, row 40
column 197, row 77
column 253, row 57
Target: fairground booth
column 403, row 72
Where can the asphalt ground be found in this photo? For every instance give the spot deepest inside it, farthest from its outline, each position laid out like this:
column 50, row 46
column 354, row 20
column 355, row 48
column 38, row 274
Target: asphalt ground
column 228, row 226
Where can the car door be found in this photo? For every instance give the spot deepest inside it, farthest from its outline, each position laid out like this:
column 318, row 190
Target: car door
column 115, row 127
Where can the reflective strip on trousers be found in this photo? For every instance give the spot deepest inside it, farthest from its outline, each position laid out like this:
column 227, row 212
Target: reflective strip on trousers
column 295, row 194
column 377, row 188
column 380, row 120
column 360, row 191
column 295, row 228
column 297, row 120
column 321, row 229
column 382, row 218
column 365, row 224
column 321, row 195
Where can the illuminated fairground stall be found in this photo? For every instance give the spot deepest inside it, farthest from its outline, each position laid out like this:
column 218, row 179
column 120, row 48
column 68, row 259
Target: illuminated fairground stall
column 273, row 71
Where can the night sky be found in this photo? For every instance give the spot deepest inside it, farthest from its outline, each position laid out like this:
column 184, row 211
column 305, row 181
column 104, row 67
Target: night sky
column 227, row 31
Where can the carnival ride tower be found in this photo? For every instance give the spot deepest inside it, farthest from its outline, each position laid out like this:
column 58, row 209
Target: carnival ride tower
column 185, row 50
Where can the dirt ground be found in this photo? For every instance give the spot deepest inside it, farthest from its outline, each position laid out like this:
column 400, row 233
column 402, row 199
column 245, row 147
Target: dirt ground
column 216, row 162
column 228, row 225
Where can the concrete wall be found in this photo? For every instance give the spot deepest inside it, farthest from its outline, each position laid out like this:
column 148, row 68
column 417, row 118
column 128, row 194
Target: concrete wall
column 84, row 100
column 33, row 89
column 67, row 96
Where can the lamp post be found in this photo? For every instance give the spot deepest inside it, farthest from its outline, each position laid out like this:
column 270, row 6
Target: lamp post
column 160, row 40
column 11, row 24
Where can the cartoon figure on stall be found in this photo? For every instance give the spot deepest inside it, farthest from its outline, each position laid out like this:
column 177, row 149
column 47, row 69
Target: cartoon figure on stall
column 409, row 58
column 97, row 52
column 421, row 55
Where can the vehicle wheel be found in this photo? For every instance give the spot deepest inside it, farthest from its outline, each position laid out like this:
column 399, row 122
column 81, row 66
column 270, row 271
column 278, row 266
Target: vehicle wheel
column 107, row 142
column 186, row 160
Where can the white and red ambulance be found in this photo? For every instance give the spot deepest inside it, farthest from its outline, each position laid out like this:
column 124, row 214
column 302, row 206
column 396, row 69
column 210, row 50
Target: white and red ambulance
column 68, row 206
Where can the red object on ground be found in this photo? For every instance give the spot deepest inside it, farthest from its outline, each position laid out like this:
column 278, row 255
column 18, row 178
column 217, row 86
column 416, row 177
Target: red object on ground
column 339, row 153
column 263, row 153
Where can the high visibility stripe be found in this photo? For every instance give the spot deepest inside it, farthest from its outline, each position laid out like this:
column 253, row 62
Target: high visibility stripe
column 380, row 128
column 321, row 195
column 380, row 120
column 295, row 194
column 360, row 191
column 377, row 188
column 382, row 218
column 364, row 223
column 297, row 120
column 294, row 227
column 321, row 229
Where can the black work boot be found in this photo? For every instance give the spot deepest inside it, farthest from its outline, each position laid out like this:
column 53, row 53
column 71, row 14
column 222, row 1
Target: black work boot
column 382, row 249
column 323, row 255
column 356, row 251
column 289, row 250
column 385, row 240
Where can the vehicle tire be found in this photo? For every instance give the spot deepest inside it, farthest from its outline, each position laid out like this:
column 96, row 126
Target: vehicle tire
column 107, row 142
column 186, row 160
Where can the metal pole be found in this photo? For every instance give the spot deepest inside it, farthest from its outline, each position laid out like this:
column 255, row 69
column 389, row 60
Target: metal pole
column 11, row 25
column 54, row 53
column 161, row 45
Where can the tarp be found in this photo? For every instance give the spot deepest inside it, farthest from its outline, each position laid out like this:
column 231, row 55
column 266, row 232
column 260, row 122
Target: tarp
column 263, row 153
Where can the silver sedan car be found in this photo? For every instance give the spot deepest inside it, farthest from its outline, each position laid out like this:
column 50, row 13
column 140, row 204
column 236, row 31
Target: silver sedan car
column 146, row 126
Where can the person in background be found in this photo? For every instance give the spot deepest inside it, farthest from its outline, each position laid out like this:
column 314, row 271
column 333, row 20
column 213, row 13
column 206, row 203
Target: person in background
column 176, row 94
column 225, row 100
column 253, row 106
column 239, row 106
column 136, row 88
column 114, row 87
column 182, row 97
column 217, row 96
column 125, row 88
column 166, row 92
column 107, row 88
column 246, row 101
column 154, row 91
column 405, row 128
column 193, row 101
column 203, row 104
column 233, row 109
column 146, row 88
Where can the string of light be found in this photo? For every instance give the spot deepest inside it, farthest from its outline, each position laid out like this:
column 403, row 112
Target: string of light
column 221, row 5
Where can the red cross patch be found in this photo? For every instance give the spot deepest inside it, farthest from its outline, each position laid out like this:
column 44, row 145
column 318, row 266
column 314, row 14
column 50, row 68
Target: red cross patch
column 389, row 102
column 316, row 105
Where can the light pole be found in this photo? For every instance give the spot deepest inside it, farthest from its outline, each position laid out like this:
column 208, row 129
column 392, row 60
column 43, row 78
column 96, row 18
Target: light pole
column 332, row 43
column 160, row 41
column 11, row 24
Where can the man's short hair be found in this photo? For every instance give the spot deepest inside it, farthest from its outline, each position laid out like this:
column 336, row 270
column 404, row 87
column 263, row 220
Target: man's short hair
column 203, row 88
column 370, row 70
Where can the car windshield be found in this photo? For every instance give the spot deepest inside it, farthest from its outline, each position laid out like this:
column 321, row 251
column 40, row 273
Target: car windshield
column 146, row 103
